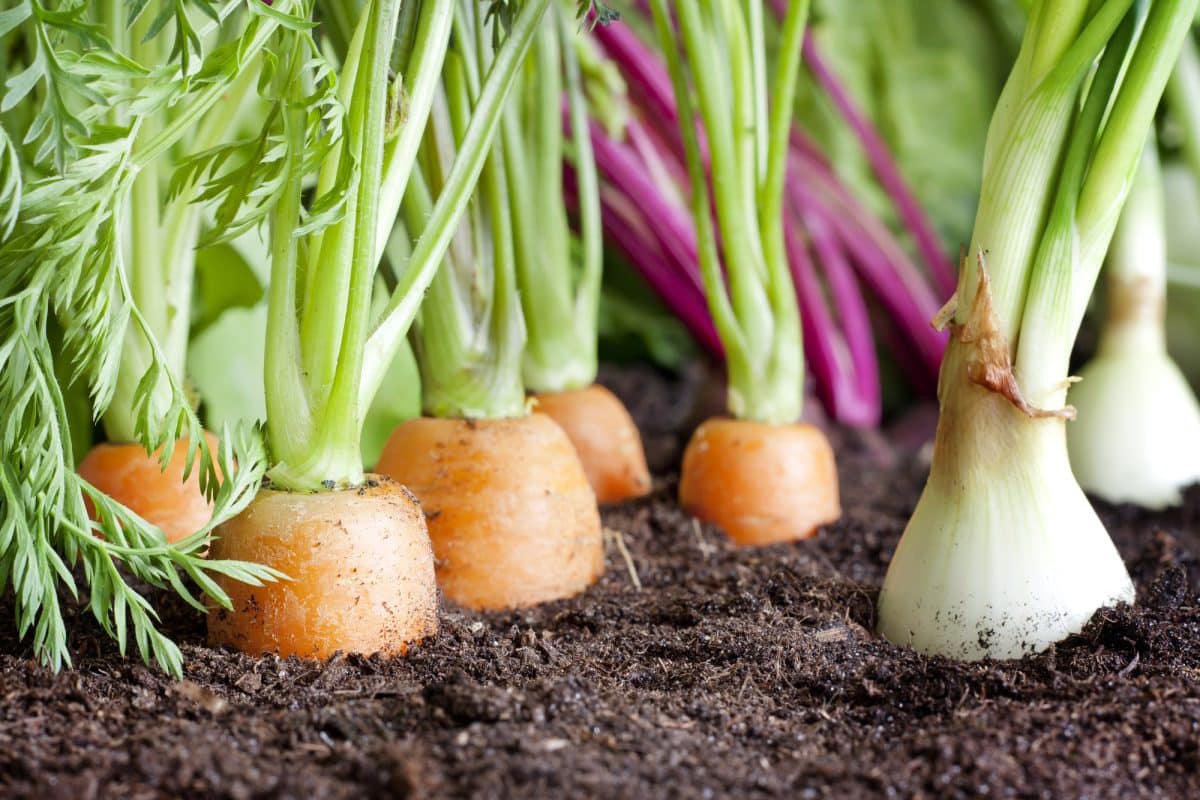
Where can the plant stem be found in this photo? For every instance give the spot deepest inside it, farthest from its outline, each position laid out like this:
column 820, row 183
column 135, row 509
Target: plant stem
column 758, row 318
column 1025, row 145
column 439, row 229
column 330, row 450
column 470, row 335
column 288, row 403
column 561, row 351
column 144, row 260
column 1079, row 234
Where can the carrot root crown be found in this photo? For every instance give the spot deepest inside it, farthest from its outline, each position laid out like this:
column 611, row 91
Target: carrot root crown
column 136, row 480
column 606, row 439
column 511, row 515
column 361, row 570
column 761, row 483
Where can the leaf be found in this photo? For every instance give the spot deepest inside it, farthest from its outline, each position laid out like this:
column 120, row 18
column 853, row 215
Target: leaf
column 13, row 17
column 67, row 315
column 290, row 21
column 20, row 85
column 226, row 366
column 224, row 281
column 11, row 184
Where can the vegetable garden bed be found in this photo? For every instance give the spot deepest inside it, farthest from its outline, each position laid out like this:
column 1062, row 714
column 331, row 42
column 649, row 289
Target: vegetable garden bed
column 750, row 672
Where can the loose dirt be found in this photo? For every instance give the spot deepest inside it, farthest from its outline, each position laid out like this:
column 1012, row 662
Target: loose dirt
column 729, row 673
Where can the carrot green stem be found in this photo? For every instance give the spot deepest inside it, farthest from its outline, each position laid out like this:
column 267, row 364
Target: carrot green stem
column 325, row 362
column 332, row 338
column 560, row 289
column 747, row 280
column 470, row 334
column 162, row 236
column 439, row 228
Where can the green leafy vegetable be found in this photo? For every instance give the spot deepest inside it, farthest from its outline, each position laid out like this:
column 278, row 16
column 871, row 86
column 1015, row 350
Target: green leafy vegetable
column 103, row 121
column 928, row 75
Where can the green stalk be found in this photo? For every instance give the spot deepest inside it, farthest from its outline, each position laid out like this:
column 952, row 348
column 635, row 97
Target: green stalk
column 756, row 317
column 724, row 318
column 591, row 229
column 329, row 361
column 440, row 227
column 560, row 309
column 1065, row 276
column 1024, row 151
column 787, row 363
column 288, row 403
column 161, row 259
column 330, row 452
column 428, row 52
column 143, row 257
column 470, row 334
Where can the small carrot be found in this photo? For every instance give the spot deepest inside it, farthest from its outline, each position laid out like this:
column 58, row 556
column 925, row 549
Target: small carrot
column 761, row 483
column 126, row 473
column 605, row 437
column 511, row 515
column 759, row 476
column 361, row 573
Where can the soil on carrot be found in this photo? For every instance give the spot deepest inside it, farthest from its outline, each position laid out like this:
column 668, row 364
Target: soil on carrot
column 691, row 670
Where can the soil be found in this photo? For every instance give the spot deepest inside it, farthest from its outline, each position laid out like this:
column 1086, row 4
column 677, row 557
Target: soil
column 715, row 673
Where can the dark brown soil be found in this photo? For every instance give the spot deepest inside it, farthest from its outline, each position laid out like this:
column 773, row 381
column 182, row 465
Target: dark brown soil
column 726, row 674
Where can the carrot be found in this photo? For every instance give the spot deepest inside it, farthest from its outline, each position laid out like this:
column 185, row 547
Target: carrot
column 759, row 476
column 605, row 437
column 761, row 483
column 361, row 569
column 511, row 515
column 136, row 480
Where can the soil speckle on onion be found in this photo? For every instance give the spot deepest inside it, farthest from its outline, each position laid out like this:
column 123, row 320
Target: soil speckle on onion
column 729, row 673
